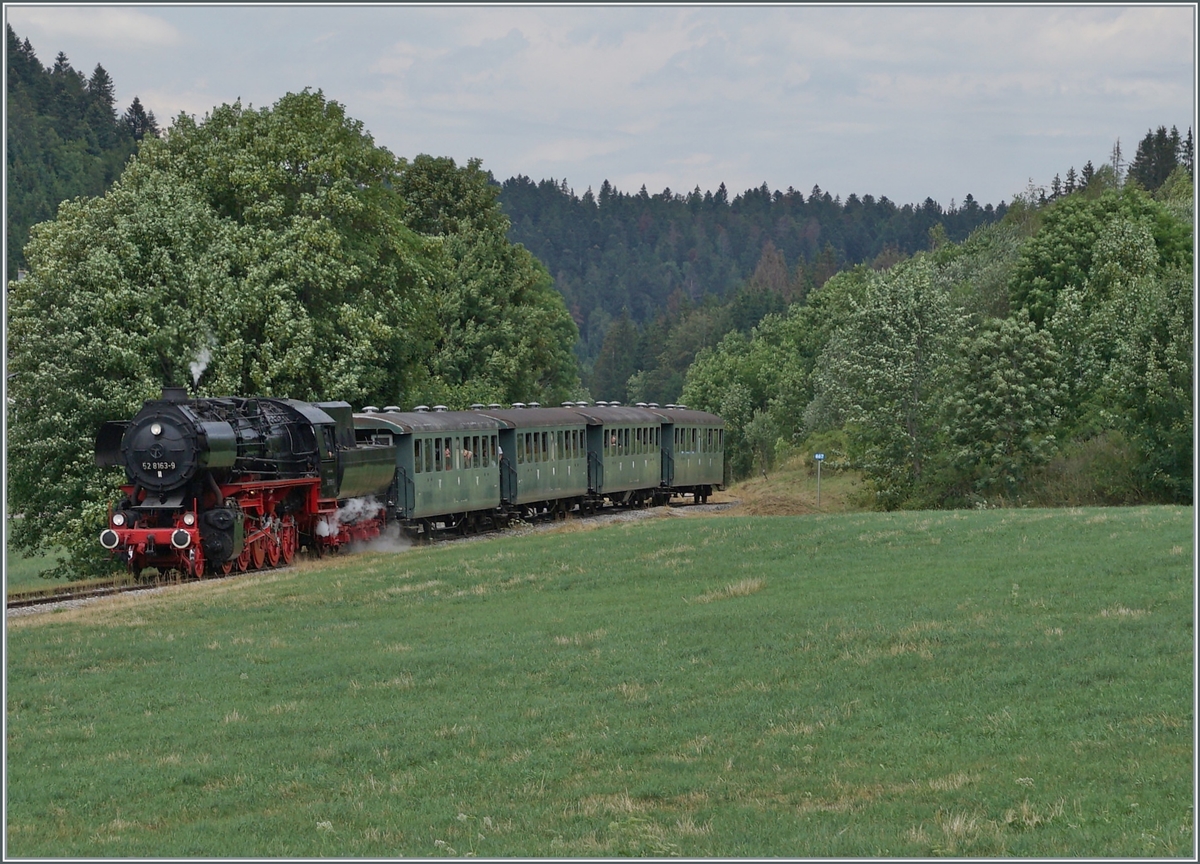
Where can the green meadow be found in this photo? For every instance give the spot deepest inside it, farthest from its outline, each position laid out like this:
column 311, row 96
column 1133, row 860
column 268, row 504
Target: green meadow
column 999, row 683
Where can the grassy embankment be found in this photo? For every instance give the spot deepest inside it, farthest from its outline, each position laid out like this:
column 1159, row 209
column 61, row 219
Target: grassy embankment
column 1005, row 683
column 789, row 491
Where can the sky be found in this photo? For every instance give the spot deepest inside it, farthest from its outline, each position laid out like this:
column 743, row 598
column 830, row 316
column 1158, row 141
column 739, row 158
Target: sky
column 906, row 102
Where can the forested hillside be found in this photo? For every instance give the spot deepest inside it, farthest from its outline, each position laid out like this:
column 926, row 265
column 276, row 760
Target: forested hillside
column 64, row 139
column 1045, row 359
column 644, row 255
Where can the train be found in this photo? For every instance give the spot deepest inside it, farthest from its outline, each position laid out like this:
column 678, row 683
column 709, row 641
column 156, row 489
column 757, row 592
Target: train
column 217, row 485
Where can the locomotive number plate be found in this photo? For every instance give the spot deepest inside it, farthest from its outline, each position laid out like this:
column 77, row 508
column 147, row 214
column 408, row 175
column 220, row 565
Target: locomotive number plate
column 158, row 466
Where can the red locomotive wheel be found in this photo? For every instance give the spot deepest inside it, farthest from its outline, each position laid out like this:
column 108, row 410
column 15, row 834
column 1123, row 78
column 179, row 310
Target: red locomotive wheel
column 273, row 550
column 243, row 560
column 287, row 543
column 258, row 552
column 227, row 567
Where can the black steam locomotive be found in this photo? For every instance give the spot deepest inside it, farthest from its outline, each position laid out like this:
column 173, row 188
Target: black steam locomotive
column 236, row 483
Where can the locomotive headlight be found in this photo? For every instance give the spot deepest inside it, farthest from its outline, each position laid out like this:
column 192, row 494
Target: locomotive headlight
column 118, row 519
column 189, row 519
column 156, row 430
column 109, row 538
column 181, row 539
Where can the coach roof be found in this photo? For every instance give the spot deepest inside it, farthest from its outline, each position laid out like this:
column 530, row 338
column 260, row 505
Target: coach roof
column 526, row 418
column 688, row 417
column 430, row 421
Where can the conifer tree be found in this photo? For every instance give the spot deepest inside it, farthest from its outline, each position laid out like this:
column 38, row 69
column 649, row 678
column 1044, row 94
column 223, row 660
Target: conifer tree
column 139, row 121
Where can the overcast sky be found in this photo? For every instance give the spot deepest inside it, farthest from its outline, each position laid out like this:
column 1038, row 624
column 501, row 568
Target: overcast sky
column 902, row 101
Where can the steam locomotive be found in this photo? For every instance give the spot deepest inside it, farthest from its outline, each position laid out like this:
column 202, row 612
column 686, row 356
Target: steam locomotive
column 233, row 483
column 244, row 483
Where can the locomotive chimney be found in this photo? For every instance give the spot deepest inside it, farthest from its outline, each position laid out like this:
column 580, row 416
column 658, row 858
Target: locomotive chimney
column 174, row 394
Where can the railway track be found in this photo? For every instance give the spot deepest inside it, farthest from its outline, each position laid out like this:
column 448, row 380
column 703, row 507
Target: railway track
column 66, row 594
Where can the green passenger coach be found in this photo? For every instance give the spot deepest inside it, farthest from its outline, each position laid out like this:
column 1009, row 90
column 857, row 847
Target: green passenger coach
column 544, row 458
column 464, row 470
column 446, row 463
column 625, row 453
column 693, row 451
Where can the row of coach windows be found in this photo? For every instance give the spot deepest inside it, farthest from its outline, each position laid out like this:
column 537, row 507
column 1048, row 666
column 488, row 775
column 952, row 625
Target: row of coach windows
column 548, row 446
column 692, row 440
column 454, row 453
column 631, row 441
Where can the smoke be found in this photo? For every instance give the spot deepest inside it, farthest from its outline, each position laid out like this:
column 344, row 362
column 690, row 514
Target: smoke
column 353, row 510
column 202, row 358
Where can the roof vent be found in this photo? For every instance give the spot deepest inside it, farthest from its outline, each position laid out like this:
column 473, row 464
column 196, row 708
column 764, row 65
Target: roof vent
column 582, row 403
column 614, row 404
column 535, row 404
column 682, row 407
column 568, row 404
column 518, row 404
column 392, row 409
column 670, row 405
column 601, row 403
column 641, row 404
column 652, row 405
column 421, row 409
column 439, row 407
column 370, row 409
column 494, row 406
column 475, row 406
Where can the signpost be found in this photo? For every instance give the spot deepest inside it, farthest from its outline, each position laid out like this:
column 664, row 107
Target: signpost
column 820, row 457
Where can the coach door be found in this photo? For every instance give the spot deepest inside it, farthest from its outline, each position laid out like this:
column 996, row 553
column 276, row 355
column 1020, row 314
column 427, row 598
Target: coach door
column 508, row 471
column 595, row 461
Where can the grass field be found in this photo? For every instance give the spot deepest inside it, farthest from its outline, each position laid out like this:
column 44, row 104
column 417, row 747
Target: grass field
column 1002, row 683
column 21, row 574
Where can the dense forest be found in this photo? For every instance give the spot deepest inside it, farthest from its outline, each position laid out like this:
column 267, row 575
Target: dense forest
column 641, row 257
column 64, row 139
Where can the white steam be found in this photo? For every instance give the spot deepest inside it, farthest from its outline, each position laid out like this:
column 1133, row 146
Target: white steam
column 350, row 512
column 392, row 540
column 200, row 364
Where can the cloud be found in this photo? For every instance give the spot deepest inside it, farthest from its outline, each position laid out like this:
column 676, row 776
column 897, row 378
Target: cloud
column 99, row 24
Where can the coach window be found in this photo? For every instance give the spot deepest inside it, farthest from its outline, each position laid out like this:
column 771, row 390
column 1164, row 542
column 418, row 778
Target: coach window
column 437, row 454
column 417, row 464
